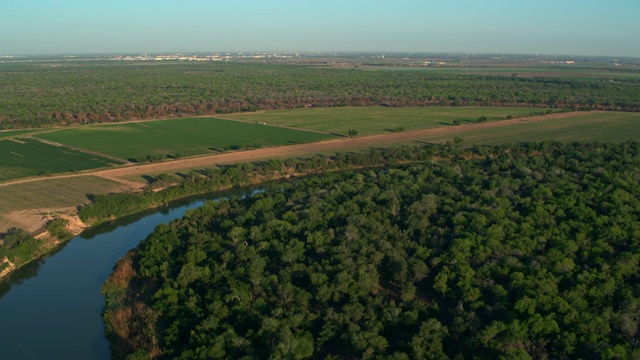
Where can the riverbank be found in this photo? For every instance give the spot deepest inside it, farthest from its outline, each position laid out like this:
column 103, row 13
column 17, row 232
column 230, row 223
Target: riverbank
column 44, row 242
column 64, row 288
column 109, row 207
column 7, row 267
column 149, row 198
column 74, row 226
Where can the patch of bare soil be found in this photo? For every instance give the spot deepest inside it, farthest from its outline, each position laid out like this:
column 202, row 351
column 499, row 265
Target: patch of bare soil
column 34, row 220
column 28, row 220
column 8, row 270
column 74, row 225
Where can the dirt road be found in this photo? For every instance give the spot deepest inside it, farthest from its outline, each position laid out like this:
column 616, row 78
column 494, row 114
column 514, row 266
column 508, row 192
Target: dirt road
column 30, row 219
column 291, row 150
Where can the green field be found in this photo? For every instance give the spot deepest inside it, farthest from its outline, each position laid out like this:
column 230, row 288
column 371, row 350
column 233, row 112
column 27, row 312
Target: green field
column 378, row 120
column 29, row 157
column 191, row 136
column 177, row 137
column 614, row 127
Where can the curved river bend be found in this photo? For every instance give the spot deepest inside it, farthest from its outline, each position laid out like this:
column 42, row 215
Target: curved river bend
column 51, row 308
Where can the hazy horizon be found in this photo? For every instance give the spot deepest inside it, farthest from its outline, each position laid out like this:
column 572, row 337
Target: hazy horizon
column 570, row 27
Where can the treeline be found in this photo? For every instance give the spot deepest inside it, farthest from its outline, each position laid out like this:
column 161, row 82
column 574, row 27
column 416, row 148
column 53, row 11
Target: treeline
column 519, row 251
column 165, row 188
column 79, row 93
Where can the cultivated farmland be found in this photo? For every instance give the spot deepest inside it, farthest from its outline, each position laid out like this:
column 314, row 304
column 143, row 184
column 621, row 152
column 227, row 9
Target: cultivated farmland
column 54, row 193
column 177, row 137
column 574, row 126
column 379, row 120
column 603, row 126
column 47, row 195
column 28, row 157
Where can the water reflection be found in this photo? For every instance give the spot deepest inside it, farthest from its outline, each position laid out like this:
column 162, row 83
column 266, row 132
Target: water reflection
column 27, row 271
column 108, row 227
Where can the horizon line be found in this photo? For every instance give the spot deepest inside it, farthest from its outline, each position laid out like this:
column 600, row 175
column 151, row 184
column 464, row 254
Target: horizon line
column 306, row 52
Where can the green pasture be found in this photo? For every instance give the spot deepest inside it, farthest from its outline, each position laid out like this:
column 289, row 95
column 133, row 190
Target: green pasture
column 177, row 137
column 379, row 120
column 29, row 157
column 614, row 127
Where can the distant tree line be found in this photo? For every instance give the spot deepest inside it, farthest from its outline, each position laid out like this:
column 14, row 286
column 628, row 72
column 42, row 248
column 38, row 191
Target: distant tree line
column 80, row 93
column 515, row 251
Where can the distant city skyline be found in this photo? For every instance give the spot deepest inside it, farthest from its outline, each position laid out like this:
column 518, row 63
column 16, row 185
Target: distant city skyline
column 568, row 27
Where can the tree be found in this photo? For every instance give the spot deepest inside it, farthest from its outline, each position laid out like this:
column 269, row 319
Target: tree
column 440, row 281
column 456, row 122
column 352, row 133
column 427, row 344
column 518, row 256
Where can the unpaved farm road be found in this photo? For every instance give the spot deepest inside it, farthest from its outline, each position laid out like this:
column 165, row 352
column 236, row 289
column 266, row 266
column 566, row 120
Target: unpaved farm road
column 118, row 173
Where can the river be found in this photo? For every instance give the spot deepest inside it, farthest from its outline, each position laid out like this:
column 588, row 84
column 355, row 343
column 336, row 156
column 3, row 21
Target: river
column 51, row 308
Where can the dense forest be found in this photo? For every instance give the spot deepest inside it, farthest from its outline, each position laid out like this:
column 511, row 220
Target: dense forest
column 517, row 251
column 41, row 94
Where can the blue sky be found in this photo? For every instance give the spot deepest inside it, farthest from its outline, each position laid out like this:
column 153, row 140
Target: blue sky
column 586, row 27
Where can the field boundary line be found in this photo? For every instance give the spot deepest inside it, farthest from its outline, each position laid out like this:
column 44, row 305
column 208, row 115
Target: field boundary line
column 53, row 143
column 279, row 126
column 297, row 149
